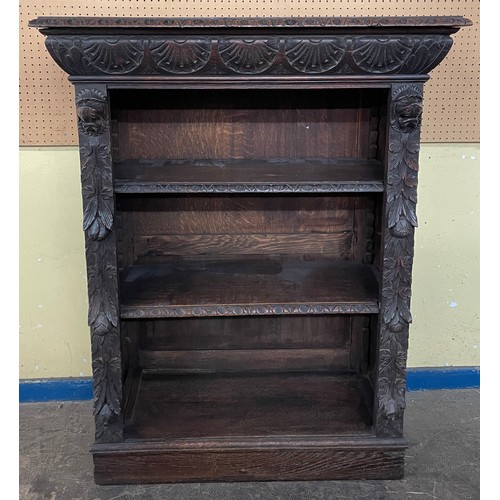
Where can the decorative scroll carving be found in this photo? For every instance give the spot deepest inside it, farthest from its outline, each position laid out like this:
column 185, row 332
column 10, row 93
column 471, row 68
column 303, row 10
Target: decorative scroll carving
column 315, row 55
column 254, row 310
column 277, row 55
column 102, row 277
column 248, row 56
column 181, row 56
column 347, row 187
column 400, row 218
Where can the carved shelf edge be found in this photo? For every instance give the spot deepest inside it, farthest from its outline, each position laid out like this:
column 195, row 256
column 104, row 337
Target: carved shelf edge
column 247, row 22
column 133, row 312
column 145, row 187
column 107, row 47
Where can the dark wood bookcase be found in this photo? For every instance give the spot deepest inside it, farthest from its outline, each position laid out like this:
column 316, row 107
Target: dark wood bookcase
column 249, row 193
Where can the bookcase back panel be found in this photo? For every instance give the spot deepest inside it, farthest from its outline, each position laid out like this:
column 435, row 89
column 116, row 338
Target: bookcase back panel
column 277, row 343
column 272, row 332
column 337, row 227
column 246, row 124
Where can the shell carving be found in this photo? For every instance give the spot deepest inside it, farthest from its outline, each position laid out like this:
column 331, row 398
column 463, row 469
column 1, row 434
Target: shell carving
column 315, row 55
column 114, row 56
column 181, row 56
column 381, row 55
column 248, row 56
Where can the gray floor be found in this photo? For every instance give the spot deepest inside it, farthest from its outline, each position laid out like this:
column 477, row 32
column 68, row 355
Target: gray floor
column 442, row 462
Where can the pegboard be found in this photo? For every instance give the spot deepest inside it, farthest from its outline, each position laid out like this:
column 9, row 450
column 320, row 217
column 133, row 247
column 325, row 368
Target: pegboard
column 46, row 97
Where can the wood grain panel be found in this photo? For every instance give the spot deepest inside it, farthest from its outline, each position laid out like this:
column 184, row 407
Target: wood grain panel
column 249, row 404
column 233, row 214
column 249, row 360
column 244, row 124
column 337, row 244
column 139, row 463
column 229, row 286
column 247, row 333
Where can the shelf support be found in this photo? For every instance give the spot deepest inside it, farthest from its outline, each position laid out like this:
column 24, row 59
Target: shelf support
column 399, row 222
column 92, row 108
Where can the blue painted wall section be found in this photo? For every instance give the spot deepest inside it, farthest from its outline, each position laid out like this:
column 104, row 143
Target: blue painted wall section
column 426, row 379
column 60, row 389
column 80, row 389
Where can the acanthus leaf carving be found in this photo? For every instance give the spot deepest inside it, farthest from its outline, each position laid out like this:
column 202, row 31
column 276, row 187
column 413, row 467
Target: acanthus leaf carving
column 100, row 249
column 427, row 53
column 102, row 279
column 400, row 218
column 106, row 367
column 68, row 54
column 97, row 190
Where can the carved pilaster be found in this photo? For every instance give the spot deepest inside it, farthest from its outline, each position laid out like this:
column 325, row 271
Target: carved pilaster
column 399, row 223
column 102, row 276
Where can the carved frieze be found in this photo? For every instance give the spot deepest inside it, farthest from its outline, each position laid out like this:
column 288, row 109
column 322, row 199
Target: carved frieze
column 277, row 55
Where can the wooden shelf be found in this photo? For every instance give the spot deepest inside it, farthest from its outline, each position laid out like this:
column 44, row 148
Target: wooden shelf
column 211, row 405
column 252, row 176
column 255, row 285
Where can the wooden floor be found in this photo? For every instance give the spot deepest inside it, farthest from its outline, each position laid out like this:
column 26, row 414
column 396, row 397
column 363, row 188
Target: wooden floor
column 193, row 405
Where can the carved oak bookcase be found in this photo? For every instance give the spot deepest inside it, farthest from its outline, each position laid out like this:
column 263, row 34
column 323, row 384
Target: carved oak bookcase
column 249, row 190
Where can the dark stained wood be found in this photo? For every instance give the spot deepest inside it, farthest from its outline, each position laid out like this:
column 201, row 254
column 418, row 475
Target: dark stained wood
column 275, row 332
column 245, row 125
column 250, row 360
column 245, row 404
column 226, row 287
column 249, row 198
column 248, row 22
column 92, row 109
column 280, row 176
column 237, row 214
column 337, row 245
column 249, row 462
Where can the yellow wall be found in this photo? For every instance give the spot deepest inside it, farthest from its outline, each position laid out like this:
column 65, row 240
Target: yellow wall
column 54, row 338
